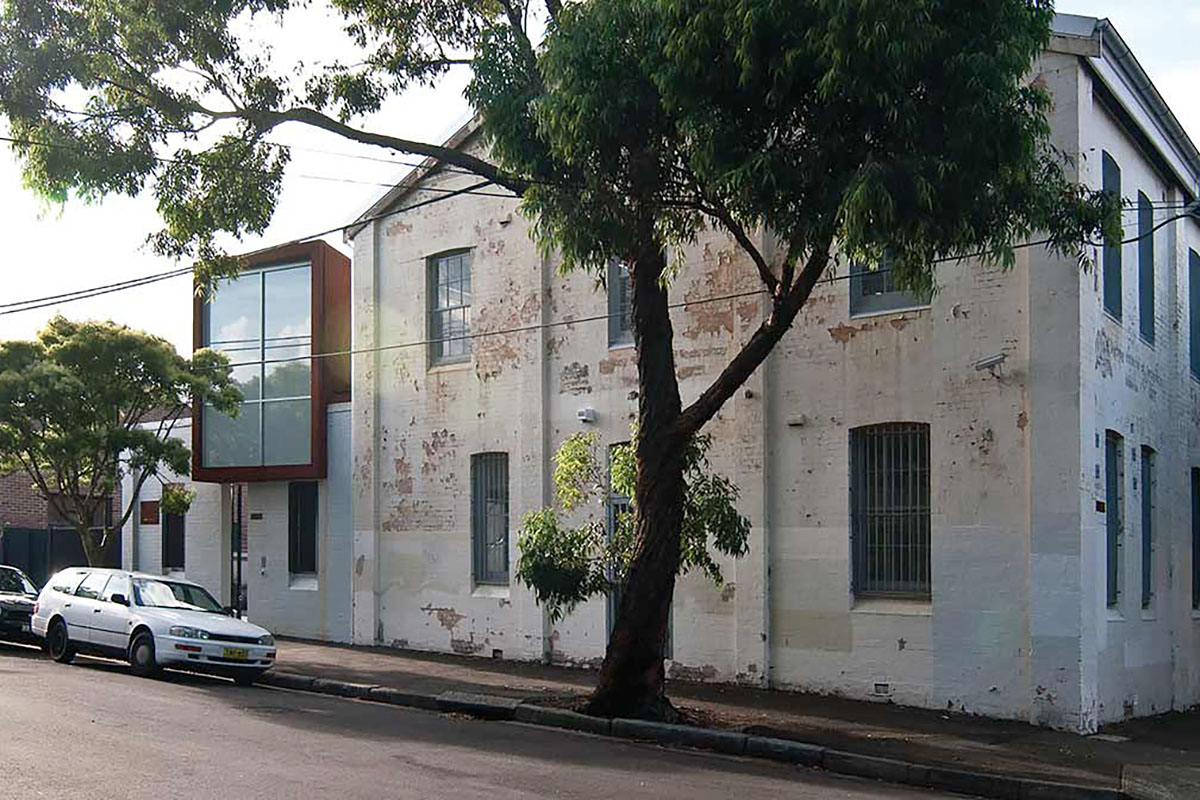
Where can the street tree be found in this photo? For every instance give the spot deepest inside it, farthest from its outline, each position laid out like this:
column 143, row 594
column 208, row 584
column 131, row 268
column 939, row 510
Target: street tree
column 88, row 403
column 566, row 564
column 843, row 127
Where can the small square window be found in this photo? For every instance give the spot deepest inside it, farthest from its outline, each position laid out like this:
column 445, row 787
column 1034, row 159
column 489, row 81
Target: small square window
column 873, row 291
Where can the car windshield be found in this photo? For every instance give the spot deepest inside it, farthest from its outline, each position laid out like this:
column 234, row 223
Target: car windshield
column 13, row 581
column 168, row 594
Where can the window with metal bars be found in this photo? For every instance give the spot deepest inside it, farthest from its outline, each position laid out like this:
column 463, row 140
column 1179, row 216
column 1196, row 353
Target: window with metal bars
column 449, row 307
column 1145, row 232
column 620, row 304
column 1194, row 312
column 890, row 509
column 1196, row 539
column 489, row 517
column 1149, row 490
column 1110, row 180
column 1114, row 513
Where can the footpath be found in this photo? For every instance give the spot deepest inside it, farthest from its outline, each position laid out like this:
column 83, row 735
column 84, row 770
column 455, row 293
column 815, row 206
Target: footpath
column 1147, row 759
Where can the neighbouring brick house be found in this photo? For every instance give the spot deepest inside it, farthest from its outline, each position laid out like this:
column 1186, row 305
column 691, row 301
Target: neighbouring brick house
column 988, row 502
column 20, row 506
column 34, row 537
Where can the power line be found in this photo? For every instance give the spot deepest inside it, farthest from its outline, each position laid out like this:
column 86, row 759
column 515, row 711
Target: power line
column 95, row 291
column 596, row 317
column 82, row 294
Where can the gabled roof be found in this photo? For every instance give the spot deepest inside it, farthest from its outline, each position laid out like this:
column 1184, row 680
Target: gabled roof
column 410, row 181
column 1123, row 80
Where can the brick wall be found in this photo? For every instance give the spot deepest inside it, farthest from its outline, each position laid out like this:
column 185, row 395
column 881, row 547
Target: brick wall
column 20, row 507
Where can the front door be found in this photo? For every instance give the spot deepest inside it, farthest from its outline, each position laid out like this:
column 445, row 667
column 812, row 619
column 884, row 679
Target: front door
column 111, row 629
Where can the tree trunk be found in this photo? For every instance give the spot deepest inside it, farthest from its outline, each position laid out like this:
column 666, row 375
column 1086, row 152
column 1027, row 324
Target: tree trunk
column 95, row 545
column 631, row 679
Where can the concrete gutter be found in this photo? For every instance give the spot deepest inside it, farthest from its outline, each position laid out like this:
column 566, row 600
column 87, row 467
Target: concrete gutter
column 493, row 707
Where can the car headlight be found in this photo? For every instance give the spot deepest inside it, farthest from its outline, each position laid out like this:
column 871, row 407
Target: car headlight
column 184, row 632
column 267, row 640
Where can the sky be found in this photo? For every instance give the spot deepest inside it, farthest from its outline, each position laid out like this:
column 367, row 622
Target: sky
column 330, row 181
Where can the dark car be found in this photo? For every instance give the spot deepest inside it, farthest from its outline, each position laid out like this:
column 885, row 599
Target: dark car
column 17, row 596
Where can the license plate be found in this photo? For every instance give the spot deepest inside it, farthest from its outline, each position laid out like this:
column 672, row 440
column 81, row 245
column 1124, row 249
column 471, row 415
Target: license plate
column 237, row 653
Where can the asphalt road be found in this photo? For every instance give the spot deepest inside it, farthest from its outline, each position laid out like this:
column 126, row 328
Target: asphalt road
column 91, row 730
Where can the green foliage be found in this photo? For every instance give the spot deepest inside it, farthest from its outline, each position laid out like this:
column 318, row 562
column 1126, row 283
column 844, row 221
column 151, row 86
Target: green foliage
column 564, row 565
column 176, row 499
column 72, row 405
column 905, row 125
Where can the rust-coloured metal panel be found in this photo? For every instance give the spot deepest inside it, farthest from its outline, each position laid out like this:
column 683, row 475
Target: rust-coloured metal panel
column 148, row 512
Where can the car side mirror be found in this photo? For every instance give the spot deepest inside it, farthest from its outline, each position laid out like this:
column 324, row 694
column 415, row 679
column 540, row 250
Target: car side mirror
column 120, row 599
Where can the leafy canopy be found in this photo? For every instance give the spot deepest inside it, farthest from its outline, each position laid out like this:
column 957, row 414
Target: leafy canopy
column 564, row 565
column 73, row 406
column 905, row 125
column 910, row 125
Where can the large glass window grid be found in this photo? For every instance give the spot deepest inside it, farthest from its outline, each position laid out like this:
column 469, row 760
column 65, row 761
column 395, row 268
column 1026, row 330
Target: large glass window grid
column 262, row 320
column 890, row 509
column 449, row 307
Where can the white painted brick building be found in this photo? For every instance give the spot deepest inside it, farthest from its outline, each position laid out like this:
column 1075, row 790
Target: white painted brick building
column 994, row 410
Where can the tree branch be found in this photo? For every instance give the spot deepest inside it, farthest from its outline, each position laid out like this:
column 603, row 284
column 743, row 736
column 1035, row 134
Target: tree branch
column 266, row 120
column 756, row 350
column 722, row 214
column 518, row 26
column 555, row 8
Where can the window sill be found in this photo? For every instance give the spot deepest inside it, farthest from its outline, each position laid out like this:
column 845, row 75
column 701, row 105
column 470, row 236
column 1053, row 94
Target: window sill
column 1196, row 614
column 1148, row 615
column 493, row 590
column 618, row 346
column 1113, row 318
column 893, row 606
column 303, row 582
column 452, row 366
column 1114, row 614
column 888, row 311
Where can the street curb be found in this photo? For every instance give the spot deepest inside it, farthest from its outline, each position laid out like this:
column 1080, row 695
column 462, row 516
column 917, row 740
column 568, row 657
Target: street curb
column 494, row 707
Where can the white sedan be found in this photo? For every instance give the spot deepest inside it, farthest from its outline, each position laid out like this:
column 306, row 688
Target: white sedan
column 150, row 621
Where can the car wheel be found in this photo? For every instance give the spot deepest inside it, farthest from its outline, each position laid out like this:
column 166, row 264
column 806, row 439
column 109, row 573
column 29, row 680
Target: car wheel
column 247, row 678
column 58, row 644
column 141, row 656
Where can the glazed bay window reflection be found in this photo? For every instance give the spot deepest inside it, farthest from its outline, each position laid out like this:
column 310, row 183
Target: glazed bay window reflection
column 262, row 320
